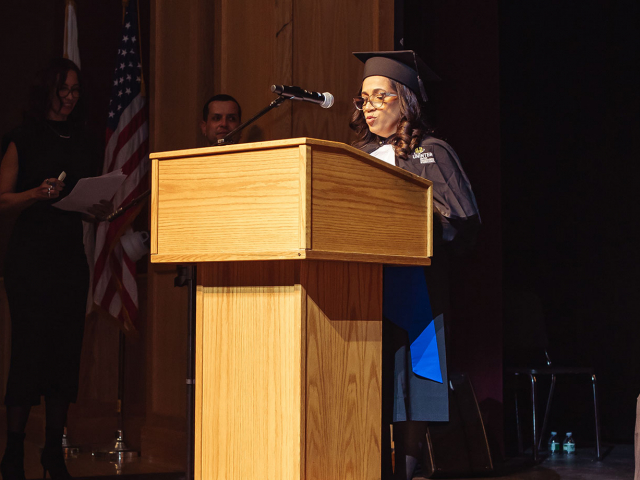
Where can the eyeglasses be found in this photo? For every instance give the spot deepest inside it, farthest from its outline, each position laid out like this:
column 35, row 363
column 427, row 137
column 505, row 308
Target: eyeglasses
column 64, row 91
column 376, row 100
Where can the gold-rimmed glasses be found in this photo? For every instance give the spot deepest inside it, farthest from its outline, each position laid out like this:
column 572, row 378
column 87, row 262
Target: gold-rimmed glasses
column 376, row 100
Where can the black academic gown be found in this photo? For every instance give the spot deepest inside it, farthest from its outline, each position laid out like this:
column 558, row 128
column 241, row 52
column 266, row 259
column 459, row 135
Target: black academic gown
column 456, row 219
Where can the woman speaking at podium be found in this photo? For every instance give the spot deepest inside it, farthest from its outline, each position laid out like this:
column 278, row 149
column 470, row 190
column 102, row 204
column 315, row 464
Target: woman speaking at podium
column 46, row 271
column 390, row 123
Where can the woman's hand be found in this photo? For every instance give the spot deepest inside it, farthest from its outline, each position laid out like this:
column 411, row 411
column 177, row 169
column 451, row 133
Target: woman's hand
column 49, row 189
column 102, row 210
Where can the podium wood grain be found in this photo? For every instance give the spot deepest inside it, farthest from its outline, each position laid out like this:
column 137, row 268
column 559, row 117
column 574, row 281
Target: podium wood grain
column 288, row 370
column 343, row 378
column 287, row 199
column 360, row 209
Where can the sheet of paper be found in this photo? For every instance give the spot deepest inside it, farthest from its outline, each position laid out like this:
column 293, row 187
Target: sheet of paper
column 89, row 191
column 386, row 154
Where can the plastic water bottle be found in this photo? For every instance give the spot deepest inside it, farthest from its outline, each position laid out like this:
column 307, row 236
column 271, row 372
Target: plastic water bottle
column 569, row 446
column 554, row 444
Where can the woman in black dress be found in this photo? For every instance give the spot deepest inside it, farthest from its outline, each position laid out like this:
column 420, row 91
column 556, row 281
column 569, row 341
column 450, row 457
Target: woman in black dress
column 390, row 123
column 46, row 271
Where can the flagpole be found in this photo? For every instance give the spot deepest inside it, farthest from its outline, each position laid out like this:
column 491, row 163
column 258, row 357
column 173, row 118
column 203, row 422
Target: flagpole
column 70, row 51
column 118, row 450
column 127, row 123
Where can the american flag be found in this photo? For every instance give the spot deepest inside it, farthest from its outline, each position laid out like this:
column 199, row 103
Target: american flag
column 127, row 148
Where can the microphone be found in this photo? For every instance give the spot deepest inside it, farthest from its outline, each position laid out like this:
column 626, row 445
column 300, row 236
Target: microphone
column 325, row 100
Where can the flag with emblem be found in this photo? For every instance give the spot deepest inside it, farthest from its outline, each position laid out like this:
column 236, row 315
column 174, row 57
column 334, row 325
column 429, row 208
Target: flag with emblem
column 127, row 149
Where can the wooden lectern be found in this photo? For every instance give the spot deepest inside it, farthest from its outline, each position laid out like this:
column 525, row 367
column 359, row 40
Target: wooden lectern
column 289, row 237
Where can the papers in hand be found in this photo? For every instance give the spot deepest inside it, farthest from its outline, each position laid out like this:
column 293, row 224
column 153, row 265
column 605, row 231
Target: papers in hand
column 89, row 191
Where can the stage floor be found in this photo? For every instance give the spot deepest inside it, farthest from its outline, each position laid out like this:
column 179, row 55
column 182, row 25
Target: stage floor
column 617, row 465
column 85, row 466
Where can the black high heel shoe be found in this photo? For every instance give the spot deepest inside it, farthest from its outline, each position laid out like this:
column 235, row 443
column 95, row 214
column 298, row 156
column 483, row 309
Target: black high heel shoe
column 52, row 459
column 12, row 465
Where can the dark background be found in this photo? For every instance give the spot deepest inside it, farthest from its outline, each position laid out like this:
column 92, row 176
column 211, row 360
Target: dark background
column 569, row 137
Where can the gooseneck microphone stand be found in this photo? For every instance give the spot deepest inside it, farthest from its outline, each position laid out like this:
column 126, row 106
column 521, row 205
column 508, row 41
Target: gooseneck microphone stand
column 186, row 276
column 126, row 207
column 226, row 140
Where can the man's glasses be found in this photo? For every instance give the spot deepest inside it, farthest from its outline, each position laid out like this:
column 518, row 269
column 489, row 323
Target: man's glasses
column 64, row 91
column 376, row 100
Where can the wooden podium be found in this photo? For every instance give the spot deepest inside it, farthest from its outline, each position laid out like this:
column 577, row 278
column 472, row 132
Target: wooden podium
column 289, row 237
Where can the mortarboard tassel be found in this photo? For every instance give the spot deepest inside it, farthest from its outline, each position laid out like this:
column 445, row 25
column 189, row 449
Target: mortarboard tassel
column 420, row 84
column 422, row 91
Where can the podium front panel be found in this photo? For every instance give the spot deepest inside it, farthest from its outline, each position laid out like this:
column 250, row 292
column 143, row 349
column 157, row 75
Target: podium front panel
column 231, row 207
column 357, row 207
column 288, row 370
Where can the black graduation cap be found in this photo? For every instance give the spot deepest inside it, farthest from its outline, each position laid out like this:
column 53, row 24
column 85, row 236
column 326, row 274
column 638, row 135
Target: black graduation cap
column 403, row 66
